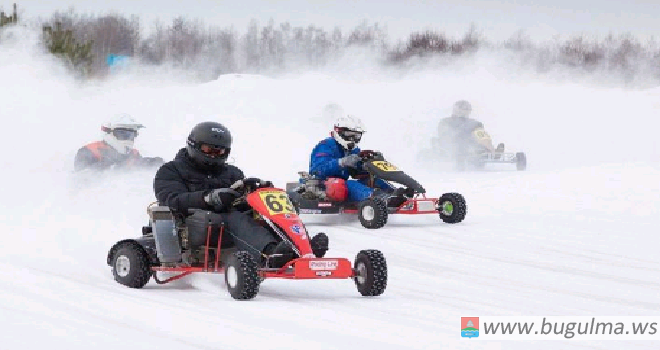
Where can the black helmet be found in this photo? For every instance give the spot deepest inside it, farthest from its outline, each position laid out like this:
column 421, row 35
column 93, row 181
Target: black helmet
column 209, row 144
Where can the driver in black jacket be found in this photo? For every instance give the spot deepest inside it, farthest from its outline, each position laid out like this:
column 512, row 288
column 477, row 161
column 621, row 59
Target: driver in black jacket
column 200, row 178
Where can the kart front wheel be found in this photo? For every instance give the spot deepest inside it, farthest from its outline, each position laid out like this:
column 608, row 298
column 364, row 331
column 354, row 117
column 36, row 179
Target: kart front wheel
column 452, row 208
column 131, row 266
column 372, row 213
column 242, row 276
column 370, row 272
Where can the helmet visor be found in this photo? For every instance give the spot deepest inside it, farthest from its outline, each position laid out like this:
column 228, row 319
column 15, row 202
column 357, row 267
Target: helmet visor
column 212, row 150
column 124, row 134
column 350, row 135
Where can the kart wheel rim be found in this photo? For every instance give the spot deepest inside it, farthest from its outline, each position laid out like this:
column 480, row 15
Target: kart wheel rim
column 368, row 212
column 123, row 266
column 447, row 208
column 232, row 277
column 361, row 273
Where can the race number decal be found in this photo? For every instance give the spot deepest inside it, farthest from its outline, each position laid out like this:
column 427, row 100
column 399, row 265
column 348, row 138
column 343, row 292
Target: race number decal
column 384, row 165
column 277, row 202
column 481, row 134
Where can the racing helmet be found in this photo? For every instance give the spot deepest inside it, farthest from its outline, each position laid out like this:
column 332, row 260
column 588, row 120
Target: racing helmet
column 348, row 131
column 462, row 109
column 120, row 132
column 209, row 144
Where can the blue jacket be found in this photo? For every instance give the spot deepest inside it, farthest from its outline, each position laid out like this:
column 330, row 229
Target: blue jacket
column 324, row 161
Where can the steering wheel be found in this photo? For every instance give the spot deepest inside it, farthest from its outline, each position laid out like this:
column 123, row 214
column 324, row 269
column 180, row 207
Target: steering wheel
column 247, row 186
column 370, row 154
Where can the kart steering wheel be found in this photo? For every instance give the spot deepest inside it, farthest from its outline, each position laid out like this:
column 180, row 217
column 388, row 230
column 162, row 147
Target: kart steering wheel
column 369, row 154
column 250, row 184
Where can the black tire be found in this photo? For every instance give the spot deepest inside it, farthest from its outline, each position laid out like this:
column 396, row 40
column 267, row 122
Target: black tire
column 452, row 208
column 371, row 272
column 131, row 266
column 372, row 213
column 521, row 161
column 242, row 276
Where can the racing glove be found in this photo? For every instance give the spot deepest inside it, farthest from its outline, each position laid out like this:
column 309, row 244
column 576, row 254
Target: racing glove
column 221, row 198
column 349, row 161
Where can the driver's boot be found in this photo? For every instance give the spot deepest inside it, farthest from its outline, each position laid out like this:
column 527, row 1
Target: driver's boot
column 282, row 252
column 389, row 198
column 319, row 243
column 499, row 150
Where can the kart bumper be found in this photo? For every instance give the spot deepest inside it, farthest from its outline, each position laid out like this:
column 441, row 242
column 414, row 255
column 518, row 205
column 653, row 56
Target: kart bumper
column 311, row 268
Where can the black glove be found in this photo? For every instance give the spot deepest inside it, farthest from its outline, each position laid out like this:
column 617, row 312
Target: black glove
column 221, row 198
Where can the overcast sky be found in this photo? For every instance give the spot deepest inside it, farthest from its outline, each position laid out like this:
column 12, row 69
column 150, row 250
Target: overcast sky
column 498, row 20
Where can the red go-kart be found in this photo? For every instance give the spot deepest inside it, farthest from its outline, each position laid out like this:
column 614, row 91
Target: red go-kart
column 135, row 261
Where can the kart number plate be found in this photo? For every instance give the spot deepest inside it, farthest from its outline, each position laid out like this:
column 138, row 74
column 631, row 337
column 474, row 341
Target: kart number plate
column 317, row 265
column 426, row 206
column 277, row 202
column 385, row 165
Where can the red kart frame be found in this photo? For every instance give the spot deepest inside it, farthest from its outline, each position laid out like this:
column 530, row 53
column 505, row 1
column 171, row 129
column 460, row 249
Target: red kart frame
column 274, row 205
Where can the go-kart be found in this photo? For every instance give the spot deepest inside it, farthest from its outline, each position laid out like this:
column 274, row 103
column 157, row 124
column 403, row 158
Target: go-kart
column 310, row 197
column 474, row 152
column 163, row 247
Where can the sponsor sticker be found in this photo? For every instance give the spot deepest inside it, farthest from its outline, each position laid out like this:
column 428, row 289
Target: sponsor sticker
column 426, row 206
column 323, row 265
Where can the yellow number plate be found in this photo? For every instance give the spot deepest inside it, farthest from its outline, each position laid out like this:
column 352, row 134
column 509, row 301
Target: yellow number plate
column 481, row 134
column 385, row 166
column 277, row 202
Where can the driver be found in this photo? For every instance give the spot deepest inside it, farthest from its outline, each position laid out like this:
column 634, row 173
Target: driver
column 200, row 178
column 116, row 150
column 337, row 157
column 459, row 126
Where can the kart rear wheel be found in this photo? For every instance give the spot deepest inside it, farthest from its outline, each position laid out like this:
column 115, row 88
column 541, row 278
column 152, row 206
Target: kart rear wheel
column 242, row 276
column 371, row 272
column 521, row 161
column 372, row 213
column 131, row 266
column 452, row 208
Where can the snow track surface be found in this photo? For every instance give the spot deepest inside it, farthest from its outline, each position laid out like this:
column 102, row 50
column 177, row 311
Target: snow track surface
column 573, row 235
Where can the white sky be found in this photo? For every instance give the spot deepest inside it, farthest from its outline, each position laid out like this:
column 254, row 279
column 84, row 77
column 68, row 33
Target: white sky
column 498, row 20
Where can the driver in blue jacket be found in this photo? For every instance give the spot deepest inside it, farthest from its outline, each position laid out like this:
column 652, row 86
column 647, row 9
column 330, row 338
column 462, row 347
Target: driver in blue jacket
column 337, row 157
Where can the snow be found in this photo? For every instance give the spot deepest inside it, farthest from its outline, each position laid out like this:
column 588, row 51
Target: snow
column 574, row 235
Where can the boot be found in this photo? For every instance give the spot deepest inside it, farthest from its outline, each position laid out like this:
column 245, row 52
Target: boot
column 283, row 251
column 395, row 198
column 319, row 244
column 498, row 151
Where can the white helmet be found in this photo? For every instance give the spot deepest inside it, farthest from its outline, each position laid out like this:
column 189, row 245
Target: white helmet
column 462, row 109
column 120, row 132
column 348, row 131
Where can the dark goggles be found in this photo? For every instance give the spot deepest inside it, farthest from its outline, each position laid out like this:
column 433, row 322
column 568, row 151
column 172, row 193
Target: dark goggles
column 349, row 135
column 212, row 150
column 124, row 134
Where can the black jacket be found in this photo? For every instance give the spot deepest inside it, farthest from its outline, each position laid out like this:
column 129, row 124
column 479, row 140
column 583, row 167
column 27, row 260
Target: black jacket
column 181, row 185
